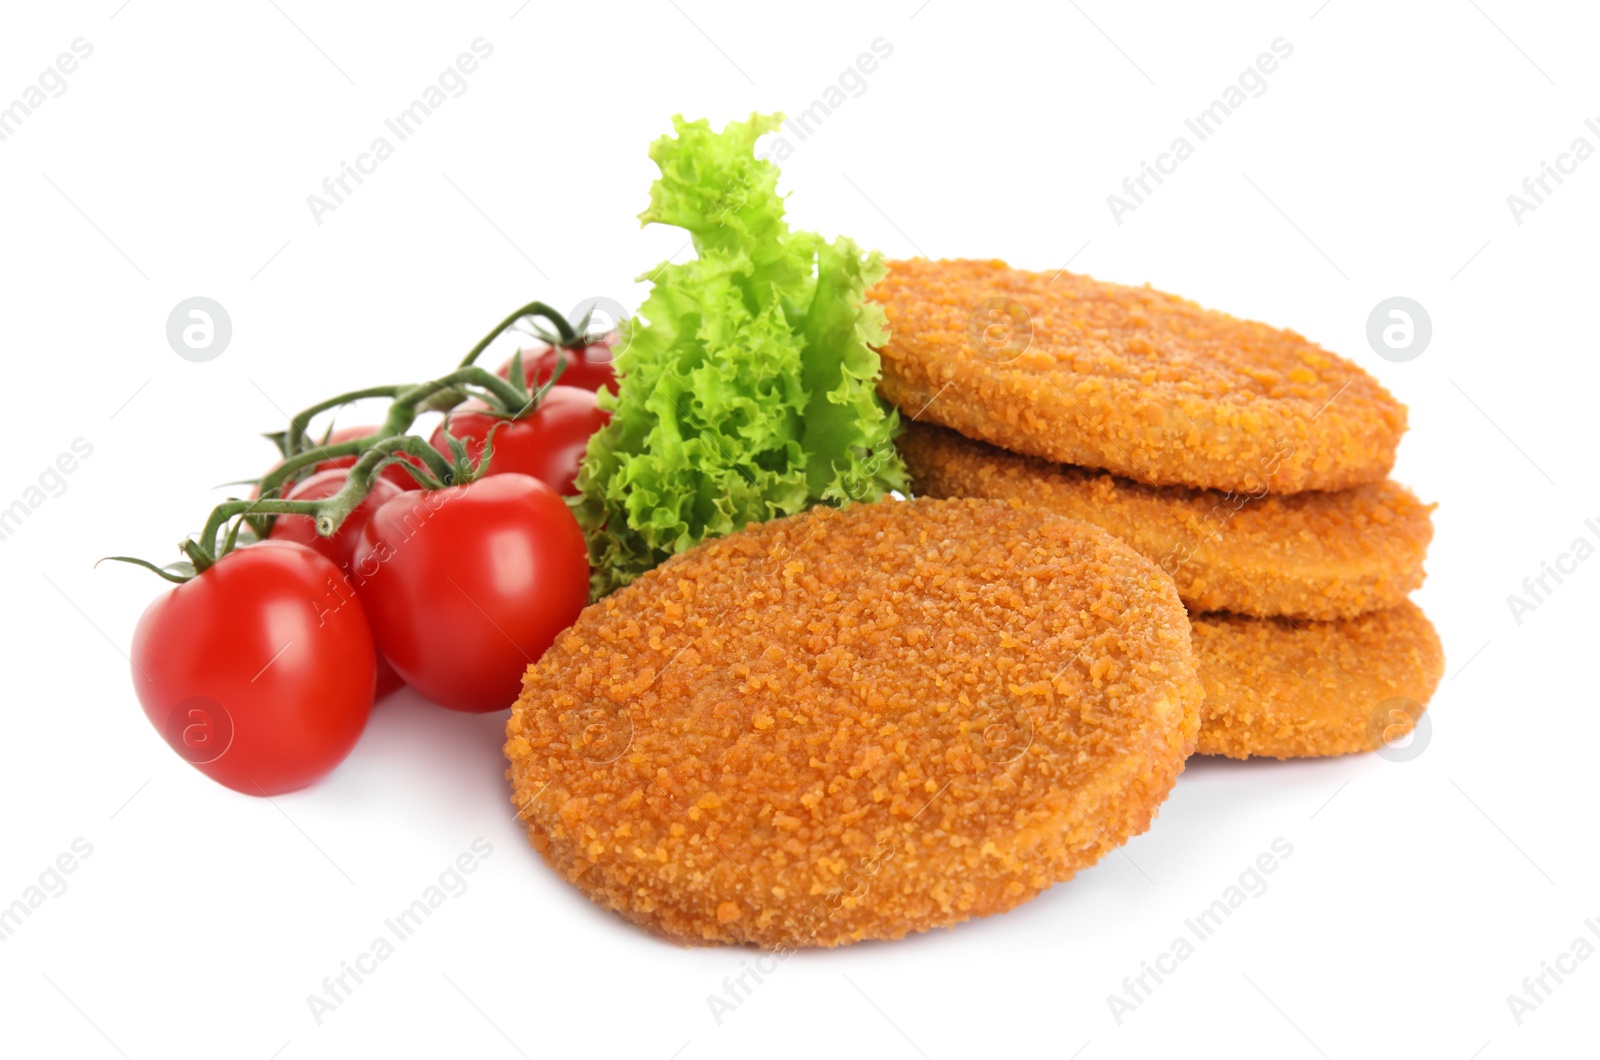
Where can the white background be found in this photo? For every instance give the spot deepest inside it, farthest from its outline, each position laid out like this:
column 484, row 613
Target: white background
column 177, row 163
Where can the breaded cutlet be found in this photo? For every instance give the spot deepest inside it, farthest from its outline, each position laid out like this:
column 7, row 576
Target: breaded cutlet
column 1281, row 689
column 1310, row 555
column 854, row 724
column 1132, row 380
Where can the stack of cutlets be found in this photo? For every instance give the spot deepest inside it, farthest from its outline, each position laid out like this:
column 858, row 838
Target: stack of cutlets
column 1247, row 462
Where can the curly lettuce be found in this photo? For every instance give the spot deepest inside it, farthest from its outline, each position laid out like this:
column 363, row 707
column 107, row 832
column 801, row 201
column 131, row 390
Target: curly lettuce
column 747, row 380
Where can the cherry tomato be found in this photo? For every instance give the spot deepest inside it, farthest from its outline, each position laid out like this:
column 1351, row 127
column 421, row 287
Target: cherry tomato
column 259, row 672
column 548, row 443
column 588, row 367
column 341, row 547
column 393, row 473
column 468, row 585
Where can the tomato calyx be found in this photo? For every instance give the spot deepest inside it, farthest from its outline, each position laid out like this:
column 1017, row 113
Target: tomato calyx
column 462, row 468
column 572, row 344
column 495, row 406
column 176, row 573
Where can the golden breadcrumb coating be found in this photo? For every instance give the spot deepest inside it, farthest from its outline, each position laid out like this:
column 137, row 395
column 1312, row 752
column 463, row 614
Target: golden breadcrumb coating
column 1305, row 555
column 855, row 724
column 1282, row 689
column 1133, row 380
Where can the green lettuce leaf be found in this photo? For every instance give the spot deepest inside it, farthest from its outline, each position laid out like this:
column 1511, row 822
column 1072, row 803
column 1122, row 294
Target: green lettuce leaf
column 748, row 378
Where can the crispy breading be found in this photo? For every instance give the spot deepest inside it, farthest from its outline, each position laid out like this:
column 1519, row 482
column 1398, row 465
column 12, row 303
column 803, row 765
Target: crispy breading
column 855, row 724
column 1304, row 555
column 1282, row 689
column 1129, row 379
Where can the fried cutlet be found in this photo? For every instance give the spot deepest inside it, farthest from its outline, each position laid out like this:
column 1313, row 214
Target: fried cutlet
column 1138, row 382
column 1304, row 555
column 854, row 724
column 1281, row 689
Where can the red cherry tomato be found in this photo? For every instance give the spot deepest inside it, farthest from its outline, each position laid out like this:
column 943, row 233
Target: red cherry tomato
column 393, row 473
column 341, row 547
column 588, row 367
column 548, row 443
column 259, row 672
column 468, row 585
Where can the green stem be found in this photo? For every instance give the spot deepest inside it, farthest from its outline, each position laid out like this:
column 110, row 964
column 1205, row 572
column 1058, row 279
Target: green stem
column 297, row 426
column 198, row 555
column 331, row 512
column 286, row 470
column 203, row 552
column 509, row 395
column 569, row 337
